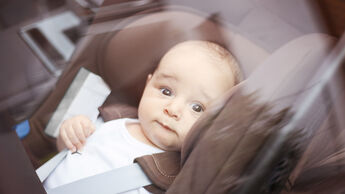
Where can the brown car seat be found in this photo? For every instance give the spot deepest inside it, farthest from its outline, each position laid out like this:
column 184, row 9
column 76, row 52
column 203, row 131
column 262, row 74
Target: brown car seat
column 126, row 53
column 242, row 121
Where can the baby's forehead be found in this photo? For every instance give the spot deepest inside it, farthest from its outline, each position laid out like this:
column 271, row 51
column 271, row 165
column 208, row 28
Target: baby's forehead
column 187, row 51
column 211, row 51
column 195, row 76
column 201, row 55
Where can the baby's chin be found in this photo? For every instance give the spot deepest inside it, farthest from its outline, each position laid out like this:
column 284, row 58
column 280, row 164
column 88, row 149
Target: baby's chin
column 168, row 147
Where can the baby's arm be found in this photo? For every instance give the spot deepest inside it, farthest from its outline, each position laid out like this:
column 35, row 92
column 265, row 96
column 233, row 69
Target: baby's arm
column 73, row 133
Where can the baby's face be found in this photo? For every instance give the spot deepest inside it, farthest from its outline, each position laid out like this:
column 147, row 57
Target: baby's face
column 179, row 91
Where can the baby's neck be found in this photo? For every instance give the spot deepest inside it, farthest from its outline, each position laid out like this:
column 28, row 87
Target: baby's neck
column 136, row 131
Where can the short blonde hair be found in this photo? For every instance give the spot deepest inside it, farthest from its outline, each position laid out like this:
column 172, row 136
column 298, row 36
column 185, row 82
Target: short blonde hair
column 218, row 53
column 223, row 54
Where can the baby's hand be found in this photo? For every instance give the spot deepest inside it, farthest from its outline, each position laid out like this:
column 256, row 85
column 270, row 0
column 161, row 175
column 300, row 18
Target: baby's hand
column 74, row 131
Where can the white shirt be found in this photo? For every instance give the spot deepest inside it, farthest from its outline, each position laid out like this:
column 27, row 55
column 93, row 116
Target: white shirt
column 110, row 146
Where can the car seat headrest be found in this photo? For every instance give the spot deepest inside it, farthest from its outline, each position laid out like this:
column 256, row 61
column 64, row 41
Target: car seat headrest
column 286, row 72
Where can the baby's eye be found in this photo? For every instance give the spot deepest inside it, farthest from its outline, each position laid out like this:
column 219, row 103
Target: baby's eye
column 166, row 91
column 197, row 108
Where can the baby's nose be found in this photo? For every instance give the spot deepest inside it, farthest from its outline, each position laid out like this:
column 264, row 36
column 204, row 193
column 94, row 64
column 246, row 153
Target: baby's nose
column 174, row 109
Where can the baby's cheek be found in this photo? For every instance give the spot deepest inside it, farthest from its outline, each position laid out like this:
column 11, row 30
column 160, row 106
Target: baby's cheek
column 184, row 133
column 193, row 121
column 190, row 124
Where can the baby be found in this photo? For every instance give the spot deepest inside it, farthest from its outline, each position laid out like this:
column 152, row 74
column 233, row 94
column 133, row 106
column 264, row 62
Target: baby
column 188, row 78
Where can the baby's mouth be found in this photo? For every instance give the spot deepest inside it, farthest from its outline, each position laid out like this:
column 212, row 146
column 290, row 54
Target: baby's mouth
column 165, row 126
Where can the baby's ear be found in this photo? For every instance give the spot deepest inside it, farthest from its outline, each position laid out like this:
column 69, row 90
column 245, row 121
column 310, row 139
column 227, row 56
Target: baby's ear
column 149, row 76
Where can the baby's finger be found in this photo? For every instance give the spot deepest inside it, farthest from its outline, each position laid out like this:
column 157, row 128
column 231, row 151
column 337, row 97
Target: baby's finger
column 73, row 138
column 92, row 129
column 66, row 140
column 79, row 132
column 88, row 127
column 86, row 131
